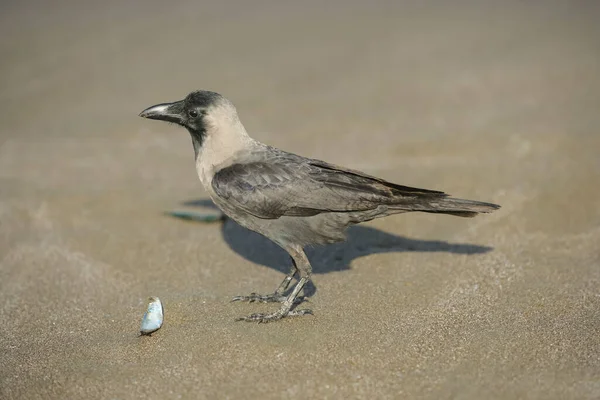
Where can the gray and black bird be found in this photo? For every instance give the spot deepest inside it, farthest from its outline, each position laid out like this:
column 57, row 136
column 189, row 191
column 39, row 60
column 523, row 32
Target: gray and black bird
column 292, row 200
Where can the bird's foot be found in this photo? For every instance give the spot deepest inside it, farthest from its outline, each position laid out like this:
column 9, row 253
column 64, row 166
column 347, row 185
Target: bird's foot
column 266, row 298
column 264, row 318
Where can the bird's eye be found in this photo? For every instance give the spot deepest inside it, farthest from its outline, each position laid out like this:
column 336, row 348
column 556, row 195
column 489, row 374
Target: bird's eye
column 193, row 113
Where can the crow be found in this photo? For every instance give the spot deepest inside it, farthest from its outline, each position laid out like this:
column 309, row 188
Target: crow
column 292, row 200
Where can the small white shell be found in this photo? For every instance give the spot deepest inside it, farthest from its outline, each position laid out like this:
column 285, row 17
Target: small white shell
column 153, row 317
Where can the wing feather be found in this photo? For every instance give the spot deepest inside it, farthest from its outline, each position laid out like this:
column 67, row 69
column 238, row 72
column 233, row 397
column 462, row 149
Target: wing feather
column 274, row 188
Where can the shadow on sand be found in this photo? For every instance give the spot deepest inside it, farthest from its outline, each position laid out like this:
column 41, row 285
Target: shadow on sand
column 362, row 241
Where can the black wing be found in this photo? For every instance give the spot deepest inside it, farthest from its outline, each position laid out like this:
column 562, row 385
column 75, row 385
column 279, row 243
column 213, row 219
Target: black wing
column 304, row 187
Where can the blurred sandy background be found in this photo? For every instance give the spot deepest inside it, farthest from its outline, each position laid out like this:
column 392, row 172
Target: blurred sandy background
column 495, row 101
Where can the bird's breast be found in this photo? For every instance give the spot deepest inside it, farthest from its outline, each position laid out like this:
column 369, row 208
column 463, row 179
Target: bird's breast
column 205, row 173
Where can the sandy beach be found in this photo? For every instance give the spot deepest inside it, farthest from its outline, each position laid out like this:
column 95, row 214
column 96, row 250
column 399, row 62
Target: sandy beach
column 491, row 101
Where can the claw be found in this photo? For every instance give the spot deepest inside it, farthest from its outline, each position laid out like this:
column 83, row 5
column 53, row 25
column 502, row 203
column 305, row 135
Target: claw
column 264, row 318
column 266, row 298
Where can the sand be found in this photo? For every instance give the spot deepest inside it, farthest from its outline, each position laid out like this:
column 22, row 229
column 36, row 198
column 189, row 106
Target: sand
column 494, row 101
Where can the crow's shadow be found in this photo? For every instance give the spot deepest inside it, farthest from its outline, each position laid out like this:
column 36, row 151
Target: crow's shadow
column 362, row 241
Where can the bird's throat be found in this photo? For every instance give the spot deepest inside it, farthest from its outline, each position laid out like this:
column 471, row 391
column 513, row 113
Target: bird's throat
column 197, row 140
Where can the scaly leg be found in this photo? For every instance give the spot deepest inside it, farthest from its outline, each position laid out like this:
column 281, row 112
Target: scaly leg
column 277, row 296
column 303, row 266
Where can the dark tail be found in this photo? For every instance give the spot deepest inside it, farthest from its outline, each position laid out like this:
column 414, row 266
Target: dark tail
column 461, row 207
column 451, row 206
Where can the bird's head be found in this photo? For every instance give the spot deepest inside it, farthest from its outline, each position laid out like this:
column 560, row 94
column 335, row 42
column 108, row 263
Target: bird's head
column 205, row 115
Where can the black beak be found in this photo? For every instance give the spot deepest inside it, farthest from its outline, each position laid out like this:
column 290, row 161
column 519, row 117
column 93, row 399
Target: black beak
column 170, row 112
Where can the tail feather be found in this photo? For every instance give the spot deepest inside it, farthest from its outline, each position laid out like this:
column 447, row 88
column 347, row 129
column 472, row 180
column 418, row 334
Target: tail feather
column 453, row 206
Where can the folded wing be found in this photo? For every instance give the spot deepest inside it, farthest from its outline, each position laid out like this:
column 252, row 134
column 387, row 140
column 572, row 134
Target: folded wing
column 307, row 187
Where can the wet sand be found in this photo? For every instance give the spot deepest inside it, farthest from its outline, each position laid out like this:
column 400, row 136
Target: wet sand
column 494, row 101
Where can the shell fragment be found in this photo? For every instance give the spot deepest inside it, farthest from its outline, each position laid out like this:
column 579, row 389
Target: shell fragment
column 153, row 317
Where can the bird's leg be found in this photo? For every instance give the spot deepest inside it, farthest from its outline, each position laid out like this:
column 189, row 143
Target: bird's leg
column 277, row 296
column 303, row 266
column 286, row 281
